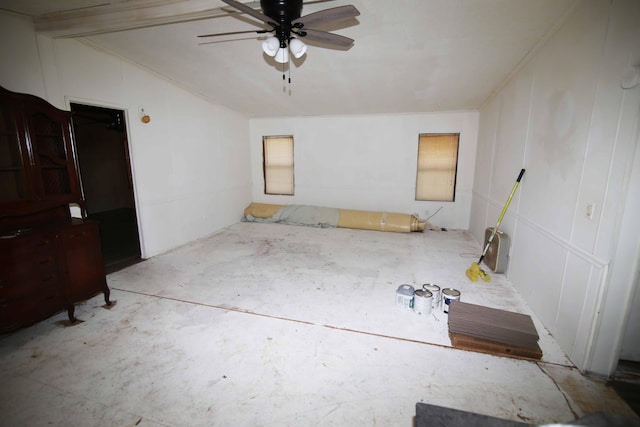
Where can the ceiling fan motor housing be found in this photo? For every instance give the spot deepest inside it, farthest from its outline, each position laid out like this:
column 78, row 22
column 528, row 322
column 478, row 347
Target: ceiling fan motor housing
column 283, row 12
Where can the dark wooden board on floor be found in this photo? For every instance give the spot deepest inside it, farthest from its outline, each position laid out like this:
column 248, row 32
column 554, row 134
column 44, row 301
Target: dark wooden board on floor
column 466, row 342
column 488, row 330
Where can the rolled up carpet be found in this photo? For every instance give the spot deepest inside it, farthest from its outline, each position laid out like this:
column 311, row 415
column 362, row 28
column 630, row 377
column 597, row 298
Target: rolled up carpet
column 324, row 217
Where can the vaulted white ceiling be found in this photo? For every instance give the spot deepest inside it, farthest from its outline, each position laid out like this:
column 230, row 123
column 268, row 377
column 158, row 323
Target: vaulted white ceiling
column 409, row 55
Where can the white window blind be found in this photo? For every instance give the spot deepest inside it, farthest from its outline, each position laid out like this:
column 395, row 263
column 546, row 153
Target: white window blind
column 278, row 164
column 437, row 165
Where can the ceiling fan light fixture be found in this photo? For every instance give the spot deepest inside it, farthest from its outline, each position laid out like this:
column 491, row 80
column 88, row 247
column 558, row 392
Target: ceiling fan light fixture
column 271, row 46
column 282, row 56
column 297, row 47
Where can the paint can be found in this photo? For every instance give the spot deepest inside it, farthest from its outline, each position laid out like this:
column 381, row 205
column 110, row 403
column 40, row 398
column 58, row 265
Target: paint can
column 448, row 295
column 435, row 291
column 422, row 302
column 404, row 297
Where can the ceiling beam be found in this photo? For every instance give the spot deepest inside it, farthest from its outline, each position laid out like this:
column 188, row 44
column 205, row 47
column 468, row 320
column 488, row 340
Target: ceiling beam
column 125, row 15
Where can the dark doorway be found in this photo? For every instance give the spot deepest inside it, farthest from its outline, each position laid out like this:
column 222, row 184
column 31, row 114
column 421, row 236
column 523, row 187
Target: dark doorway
column 105, row 169
column 626, row 382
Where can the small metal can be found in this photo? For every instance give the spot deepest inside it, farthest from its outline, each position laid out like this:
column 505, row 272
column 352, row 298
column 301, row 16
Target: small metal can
column 422, row 302
column 448, row 295
column 404, row 297
column 435, row 291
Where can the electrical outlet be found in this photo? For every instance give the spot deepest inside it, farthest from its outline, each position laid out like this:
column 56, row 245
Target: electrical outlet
column 589, row 212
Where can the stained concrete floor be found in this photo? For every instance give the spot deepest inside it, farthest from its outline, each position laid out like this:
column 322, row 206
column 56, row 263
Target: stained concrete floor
column 277, row 325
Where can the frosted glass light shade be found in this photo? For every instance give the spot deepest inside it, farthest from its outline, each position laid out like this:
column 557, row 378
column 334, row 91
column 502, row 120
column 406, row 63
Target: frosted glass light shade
column 282, row 56
column 297, row 47
column 271, row 45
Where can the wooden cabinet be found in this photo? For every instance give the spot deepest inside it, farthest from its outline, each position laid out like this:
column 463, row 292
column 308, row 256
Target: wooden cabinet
column 48, row 260
column 38, row 168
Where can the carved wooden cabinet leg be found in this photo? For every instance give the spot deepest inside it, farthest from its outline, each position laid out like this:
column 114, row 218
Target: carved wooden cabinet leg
column 107, row 292
column 71, row 311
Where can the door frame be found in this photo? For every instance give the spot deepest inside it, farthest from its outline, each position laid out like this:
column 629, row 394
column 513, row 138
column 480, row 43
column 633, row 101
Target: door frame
column 616, row 303
column 130, row 157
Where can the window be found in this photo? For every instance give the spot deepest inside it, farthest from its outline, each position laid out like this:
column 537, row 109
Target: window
column 437, row 165
column 277, row 155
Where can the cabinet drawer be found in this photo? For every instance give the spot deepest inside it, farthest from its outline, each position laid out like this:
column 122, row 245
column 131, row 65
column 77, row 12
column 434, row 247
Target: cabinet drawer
column 37, row 266
column 28, row 310
column 16, row 249
column 32, row 286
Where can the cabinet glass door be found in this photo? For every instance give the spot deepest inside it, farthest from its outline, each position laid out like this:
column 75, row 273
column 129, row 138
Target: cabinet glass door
column 51, row 153
column 13, row 185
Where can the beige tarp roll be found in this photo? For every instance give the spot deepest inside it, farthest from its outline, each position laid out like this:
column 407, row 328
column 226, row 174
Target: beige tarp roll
column 364, row 220
column 380, row 221
column 262, row 210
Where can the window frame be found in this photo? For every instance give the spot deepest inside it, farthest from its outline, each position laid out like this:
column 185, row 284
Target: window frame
column 265, row 166
column 423, row 138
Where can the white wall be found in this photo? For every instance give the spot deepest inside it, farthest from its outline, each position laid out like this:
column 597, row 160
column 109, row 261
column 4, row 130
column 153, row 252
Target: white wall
column 21, row 70
column 367, row 162
column 565, row 118
column 629, row 250
column 190, row 163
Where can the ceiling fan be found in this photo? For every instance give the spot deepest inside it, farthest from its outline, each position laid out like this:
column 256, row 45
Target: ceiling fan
column 284, row 19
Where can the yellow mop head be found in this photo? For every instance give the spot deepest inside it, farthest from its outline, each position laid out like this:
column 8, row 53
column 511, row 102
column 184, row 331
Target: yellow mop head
column 475, row 271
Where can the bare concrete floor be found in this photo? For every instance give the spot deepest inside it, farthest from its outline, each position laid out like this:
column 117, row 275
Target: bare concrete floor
column 276, row 325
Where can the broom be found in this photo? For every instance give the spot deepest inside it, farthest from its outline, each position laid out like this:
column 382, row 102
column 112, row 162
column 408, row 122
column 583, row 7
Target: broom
column 475, row 271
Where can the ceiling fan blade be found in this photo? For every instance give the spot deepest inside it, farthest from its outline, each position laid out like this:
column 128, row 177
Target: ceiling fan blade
column 249, row 11
column 256, row 4
column 304, row 3
column 327, row 16
column 253, row 5
column 236, row 32
column 330, row 39
column 228, row 41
